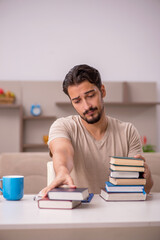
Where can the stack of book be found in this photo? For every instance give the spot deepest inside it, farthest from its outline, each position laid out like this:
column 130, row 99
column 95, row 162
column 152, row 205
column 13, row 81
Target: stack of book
column 126, row 180
column 63, row 198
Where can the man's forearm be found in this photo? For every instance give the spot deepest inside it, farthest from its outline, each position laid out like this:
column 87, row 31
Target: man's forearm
column 62, row 163
column 62, row 154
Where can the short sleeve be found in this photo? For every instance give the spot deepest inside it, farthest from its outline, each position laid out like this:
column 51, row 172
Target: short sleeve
column 135, row 145
column 58, row 129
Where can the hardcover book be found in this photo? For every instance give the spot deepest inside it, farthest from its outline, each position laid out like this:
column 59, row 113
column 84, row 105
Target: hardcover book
column 126, row 168
column 141, row 196
column 118, row 174
column 68, row 194
column 127, row 181
column 123, row 188
column 126, row 161
column 46, row 203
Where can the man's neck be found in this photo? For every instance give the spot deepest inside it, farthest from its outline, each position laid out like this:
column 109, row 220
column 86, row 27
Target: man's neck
column 98, row 129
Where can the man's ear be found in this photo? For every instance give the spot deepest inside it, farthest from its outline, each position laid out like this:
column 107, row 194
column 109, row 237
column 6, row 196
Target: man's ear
column 103, row 91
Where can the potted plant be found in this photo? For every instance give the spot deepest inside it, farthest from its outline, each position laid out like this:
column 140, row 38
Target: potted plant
column 147, row 147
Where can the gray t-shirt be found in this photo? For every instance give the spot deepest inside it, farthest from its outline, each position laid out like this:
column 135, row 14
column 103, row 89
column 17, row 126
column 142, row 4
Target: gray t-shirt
column 91, row 156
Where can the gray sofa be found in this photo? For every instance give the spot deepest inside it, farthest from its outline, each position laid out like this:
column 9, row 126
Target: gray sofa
column 34, row 168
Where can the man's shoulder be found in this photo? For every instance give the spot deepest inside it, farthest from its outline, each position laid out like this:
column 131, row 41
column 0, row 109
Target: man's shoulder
column 63, row 127
column 69, row 120
column 119, row 123
column 122, row 127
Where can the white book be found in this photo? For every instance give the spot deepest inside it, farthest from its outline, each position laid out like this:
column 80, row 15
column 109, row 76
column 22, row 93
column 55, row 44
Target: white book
column 116, row 174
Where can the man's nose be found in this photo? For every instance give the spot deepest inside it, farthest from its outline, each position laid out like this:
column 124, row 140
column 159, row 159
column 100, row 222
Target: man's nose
column 86, row 104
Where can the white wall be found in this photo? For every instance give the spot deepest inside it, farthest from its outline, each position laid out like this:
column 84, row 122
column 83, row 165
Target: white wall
column 43, row 39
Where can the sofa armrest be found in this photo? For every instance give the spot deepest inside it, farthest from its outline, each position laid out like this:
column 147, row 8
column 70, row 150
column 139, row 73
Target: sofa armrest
column 153, row 161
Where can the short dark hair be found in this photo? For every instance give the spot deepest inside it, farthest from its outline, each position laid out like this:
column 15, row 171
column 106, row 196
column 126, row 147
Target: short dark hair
column 79, row 74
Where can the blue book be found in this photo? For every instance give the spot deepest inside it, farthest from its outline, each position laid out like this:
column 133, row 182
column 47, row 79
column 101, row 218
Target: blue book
column 123, row 188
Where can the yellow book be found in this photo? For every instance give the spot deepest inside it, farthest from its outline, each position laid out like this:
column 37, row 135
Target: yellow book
column 126, row 161
column 128, row 181
column 126, row 168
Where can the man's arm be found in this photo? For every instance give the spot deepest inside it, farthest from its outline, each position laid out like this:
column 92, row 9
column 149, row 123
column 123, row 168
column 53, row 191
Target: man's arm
column 147, row 175
column 62, row 155
column 135, row 149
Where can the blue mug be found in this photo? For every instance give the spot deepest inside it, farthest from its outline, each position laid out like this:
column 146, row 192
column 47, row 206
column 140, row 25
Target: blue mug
column 12, row 187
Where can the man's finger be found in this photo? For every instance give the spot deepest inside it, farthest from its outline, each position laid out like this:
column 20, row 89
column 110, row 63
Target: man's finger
column 139, row 156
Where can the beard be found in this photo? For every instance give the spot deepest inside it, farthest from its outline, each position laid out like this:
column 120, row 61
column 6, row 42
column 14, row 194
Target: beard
column 94, row 119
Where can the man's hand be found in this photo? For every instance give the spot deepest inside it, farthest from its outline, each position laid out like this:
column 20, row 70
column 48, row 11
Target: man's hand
column 61, row 179
column 147, row 175
column 62, row 155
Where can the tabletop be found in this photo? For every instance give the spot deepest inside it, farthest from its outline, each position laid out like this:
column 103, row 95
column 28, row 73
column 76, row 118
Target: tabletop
column 25, row 214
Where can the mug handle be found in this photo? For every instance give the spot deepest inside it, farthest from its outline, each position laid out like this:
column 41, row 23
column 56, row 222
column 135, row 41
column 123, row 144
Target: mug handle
column 0, row 187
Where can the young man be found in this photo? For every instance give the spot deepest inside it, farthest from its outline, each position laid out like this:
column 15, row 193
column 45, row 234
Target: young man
column 81, row 144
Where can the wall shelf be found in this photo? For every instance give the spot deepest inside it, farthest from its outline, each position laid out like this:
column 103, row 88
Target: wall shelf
column 134, row 102
column 40, row 145
column 149, row 104
column 13, row 106
column 38, row 118
column 34, row 128
column 118, row 103
column 63, row 103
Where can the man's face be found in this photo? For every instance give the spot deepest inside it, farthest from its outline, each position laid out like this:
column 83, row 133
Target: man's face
column 87, row 100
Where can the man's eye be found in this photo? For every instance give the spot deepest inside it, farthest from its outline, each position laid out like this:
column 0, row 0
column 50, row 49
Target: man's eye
column 77, row 101
column 91, row 95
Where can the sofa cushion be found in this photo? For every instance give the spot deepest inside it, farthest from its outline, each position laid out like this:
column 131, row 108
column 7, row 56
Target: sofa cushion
column 33, row 166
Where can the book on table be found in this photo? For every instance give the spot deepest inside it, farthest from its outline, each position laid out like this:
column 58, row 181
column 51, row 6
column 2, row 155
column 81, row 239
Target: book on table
column 122, row 196
column 126, row 161
column 127, row 181
column 123, row 188
column 46, row 203
column 126, row 168
column 121, row 174
column 68, row 194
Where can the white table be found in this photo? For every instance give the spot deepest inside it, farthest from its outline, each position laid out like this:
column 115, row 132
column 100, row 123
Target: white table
column 97, row 220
